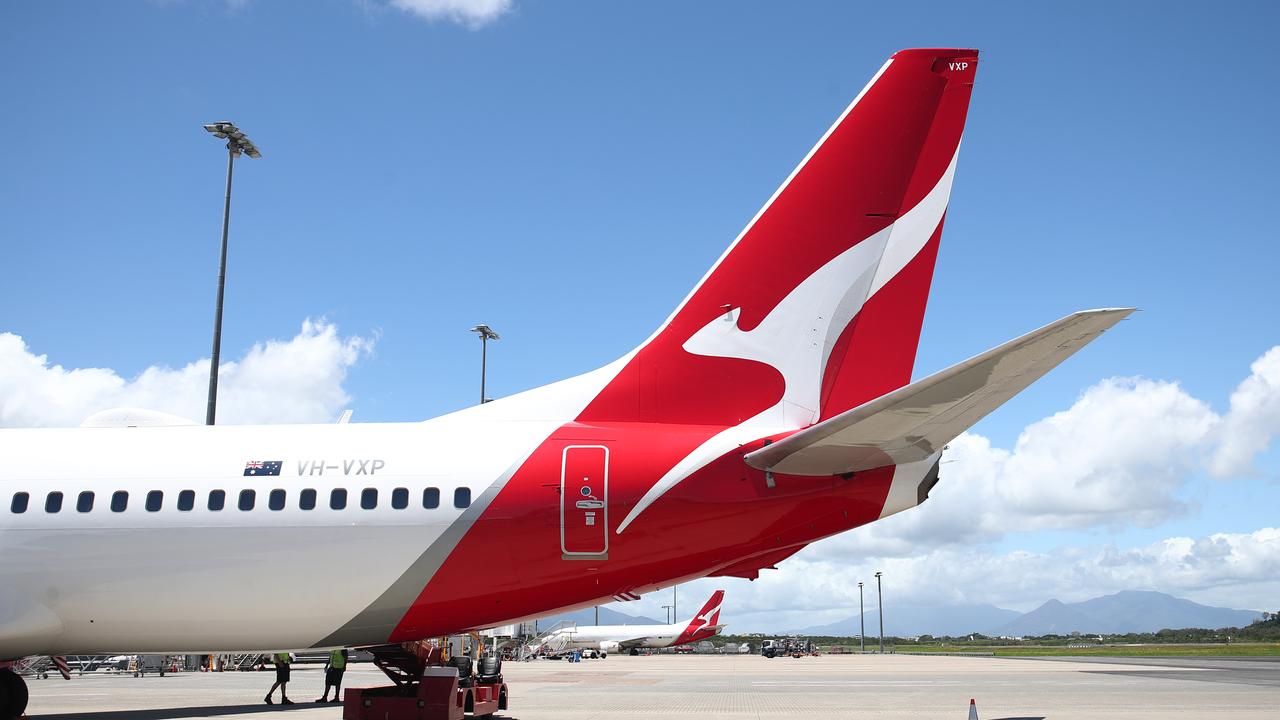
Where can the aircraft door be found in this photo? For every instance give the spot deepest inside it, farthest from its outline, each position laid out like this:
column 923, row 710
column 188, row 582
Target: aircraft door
column 584, row 502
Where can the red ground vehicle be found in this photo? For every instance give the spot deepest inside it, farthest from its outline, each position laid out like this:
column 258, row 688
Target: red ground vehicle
column 428, row 687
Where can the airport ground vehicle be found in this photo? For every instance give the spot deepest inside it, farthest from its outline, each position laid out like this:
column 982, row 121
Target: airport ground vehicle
column 429, row 685
column 773, row 408
column 793, row 646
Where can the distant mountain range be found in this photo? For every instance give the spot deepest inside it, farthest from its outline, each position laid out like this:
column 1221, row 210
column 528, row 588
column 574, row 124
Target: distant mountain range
column 1123, row 612
column 912, row 620
column 1128, row 611
column 588, row 617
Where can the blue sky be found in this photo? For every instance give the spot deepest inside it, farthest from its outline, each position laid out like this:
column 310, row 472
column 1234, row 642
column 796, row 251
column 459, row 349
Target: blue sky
column 566, row 171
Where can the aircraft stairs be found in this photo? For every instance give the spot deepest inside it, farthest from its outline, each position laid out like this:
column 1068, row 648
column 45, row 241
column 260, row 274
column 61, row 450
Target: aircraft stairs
column 34, row 666
column 242, row 661
column 553, row 640
column 41, row 666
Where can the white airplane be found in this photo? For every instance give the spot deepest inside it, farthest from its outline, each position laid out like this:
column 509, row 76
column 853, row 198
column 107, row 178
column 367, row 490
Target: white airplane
column 606, row 639
column 774, row 407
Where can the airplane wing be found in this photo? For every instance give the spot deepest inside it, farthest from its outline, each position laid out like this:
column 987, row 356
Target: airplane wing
column 632, row 642
column 917, row 420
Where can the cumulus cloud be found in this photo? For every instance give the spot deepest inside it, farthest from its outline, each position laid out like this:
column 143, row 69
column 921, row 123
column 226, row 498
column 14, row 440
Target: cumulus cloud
column 471, row 13
column 1123, row 454
column 1253, row 420
column 278, row 381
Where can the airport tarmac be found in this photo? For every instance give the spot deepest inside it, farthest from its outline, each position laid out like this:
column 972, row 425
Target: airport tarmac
column 746, row 686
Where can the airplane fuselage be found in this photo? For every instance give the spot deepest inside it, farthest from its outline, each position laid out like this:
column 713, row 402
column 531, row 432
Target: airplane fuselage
column 195, row 538
column 371, row 532
column 598, row 637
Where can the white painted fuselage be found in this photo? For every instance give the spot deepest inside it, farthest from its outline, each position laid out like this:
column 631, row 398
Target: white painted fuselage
column 201, row 579
column 614, row 637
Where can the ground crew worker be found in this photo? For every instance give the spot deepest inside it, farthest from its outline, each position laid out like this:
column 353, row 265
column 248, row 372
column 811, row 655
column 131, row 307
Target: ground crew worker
column 282, row 661
column 333, row 675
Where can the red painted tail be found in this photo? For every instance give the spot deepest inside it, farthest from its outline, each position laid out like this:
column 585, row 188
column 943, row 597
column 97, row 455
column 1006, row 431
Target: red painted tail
column 708, row 617
column 817, row 306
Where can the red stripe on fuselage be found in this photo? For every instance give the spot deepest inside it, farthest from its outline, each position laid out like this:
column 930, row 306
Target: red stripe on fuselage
column 509, row 564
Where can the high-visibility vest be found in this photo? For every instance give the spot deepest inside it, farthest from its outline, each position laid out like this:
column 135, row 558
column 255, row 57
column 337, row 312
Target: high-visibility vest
column 336, row 661
column 281, row 658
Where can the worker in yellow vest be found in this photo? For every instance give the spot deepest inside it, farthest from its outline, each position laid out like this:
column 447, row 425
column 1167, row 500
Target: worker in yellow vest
column 282, row 661
column 333, row 675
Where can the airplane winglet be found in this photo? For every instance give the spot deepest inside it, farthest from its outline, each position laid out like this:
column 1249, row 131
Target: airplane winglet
column 917, row 420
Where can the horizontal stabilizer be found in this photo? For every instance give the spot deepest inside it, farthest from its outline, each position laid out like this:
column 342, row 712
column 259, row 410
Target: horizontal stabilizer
column 917, row 420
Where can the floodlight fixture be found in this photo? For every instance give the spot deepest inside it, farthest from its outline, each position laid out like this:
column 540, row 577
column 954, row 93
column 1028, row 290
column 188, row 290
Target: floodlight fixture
column 486, row 334
column 237, row 141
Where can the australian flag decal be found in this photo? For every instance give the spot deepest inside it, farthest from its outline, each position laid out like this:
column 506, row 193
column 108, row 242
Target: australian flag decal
column 262, row 467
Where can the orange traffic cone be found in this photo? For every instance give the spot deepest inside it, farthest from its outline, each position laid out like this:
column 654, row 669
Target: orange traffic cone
column 973, row 710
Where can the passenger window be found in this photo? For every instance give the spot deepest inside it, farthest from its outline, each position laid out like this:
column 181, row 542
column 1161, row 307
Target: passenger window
column 119, row 500
column 431, row 498
column 155, row 499
column 338, row 499
column 84, row 503
column 53, row 502
column 276, row 501
column 19, row 504
column 369, row 498
column 247, row 498
column 400, row 498
column 217, row 500
column 186, row 500
column 462, row 497
column 307, row 499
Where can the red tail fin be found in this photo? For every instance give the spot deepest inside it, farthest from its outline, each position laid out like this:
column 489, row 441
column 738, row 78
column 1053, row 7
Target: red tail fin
column 817, row 305
column 709, row 615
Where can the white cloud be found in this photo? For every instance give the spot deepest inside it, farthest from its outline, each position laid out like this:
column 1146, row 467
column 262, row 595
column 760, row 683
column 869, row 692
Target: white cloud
column 1123, row 454
column 471, row 13
column 1120, row 455
column 1253, row 420
column 279, row 381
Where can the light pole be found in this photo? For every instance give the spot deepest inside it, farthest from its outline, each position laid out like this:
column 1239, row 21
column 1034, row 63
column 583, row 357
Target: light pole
column 237, row 143
column 486, row 334
column 880, row 600
column 674, row 615
column 667, row 609
column 862, row 623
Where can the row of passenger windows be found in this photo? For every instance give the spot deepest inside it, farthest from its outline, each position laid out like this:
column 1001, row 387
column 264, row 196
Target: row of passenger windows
column 248, row 498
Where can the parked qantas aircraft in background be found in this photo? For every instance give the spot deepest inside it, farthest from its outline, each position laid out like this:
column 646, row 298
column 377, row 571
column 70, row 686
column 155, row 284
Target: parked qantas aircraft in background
column 771, row 409
column 607, row 639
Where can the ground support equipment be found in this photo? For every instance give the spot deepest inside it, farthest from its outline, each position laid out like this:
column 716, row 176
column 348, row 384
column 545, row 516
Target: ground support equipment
column 426, row 687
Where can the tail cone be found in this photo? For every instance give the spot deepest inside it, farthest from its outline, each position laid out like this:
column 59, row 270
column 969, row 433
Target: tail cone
column 973, row 710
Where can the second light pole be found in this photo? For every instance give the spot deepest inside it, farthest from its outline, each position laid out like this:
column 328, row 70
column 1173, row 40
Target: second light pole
column 486, row 334
column 880, row 602
column 862, row 623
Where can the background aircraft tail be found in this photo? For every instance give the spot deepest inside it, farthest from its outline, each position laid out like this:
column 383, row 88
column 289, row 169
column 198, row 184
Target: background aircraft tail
column 709, row 614
column 817, row 306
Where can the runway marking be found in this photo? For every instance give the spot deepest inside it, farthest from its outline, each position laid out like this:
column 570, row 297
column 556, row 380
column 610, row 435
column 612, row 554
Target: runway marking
column 900, row 683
